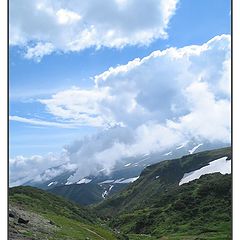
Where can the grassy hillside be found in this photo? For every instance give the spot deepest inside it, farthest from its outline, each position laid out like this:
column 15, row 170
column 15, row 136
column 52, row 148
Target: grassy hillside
column 84, row 194
column 156, row 207
column 147, row 188
column 153, row 207
column 52, row 217
column 201, row 208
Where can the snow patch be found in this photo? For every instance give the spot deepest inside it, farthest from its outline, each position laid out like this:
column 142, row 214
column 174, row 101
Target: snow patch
column 68, row 183
column 129, row 180
column 156, row 177
column 126, row 165
column 104, row 194
column 195, row 148
column 52, row 183
column 84, row 180
column 182, row 145
column 146, row 154
column 118, row 180
column 107, row 181
column 166, row 154
column 221, row 165
column 121, row 180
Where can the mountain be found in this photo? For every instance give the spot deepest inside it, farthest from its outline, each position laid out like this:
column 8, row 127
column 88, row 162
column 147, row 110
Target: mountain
column 36, row 214
column 85, row 194
column 185, row 198
column 95, row 188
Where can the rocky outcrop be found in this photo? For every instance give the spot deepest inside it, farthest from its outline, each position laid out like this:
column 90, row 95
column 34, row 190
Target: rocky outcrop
column 23, row 221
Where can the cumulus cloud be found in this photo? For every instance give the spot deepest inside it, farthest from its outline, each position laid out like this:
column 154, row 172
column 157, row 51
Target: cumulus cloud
column 69, row 25
column 38, row 51
column 165, row 85
column 151, row 104
column 209, row 118
column 81, row 106
column 166, row 98
column 104, row 150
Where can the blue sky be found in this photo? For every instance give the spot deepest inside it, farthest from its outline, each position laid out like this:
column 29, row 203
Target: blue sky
column 193, row 22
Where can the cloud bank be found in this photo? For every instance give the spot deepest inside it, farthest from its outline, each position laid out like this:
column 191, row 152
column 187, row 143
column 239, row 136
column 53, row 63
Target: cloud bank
column 23, row 169
column 43, row 27
column 150, row 105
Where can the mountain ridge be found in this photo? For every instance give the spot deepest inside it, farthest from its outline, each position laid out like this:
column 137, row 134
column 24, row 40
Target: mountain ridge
column 157, row 206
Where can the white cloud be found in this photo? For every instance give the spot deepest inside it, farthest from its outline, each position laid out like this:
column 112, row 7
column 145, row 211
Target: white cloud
column 67, row 17
column 23, row 169
column 38, row 51
column 54, row 171
column 74, row 26
column 158, row 88
column 82, row 106
column 104, row 150
column 155, row 103
column 42, row 123
column 209, row 118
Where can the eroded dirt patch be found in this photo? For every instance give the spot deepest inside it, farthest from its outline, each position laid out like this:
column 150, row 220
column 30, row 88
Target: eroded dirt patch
column 37, row 228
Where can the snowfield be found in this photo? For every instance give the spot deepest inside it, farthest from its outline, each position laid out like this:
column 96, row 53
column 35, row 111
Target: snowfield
column 118, row 180
column 182, row 145
column 129, row 180
column 195, row 148
column 221, row 165
column 105, row 193
column 68, row 183
column 121, row 180
column 51, row 183
column 107, row 181
column 166, row 154
column 84, row 180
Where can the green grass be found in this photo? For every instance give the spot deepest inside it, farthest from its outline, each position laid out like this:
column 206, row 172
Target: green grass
column 200, row 209
column 72, row 229
column 141, row 237
column 160, row 208
column 149, row 208
column 72, row 221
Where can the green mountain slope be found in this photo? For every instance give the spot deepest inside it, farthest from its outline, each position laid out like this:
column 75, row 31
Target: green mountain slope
column 84, row 194
column 52, row 217
column 156, row 207
column 153, row 207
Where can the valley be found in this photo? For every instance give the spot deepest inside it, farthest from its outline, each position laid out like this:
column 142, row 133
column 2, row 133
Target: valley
column 158, row 204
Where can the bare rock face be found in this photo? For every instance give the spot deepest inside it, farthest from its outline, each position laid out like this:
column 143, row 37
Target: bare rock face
column 21, row 220
column 11, row 215
column 27, row 225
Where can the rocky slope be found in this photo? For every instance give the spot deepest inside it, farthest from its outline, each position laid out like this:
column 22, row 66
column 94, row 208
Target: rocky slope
column 36, row 214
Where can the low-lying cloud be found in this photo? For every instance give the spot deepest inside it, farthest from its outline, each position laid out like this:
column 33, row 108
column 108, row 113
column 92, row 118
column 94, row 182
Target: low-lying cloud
column 23, row 169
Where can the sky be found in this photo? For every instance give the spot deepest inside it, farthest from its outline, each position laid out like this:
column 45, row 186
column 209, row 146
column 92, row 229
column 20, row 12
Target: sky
column 89, row 79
